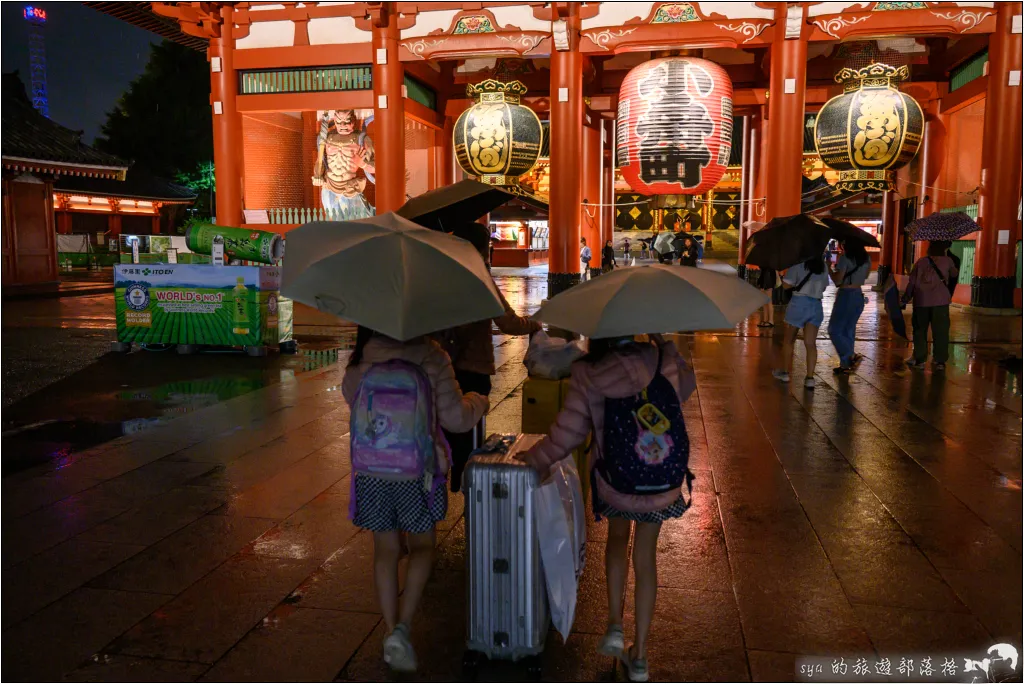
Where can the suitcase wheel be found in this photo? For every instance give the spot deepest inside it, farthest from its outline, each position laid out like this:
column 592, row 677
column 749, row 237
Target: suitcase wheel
column 471, row 665
column 534, row 667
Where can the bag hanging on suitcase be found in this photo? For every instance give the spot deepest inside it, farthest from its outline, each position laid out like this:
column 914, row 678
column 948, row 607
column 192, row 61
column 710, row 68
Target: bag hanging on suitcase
column 507, row 603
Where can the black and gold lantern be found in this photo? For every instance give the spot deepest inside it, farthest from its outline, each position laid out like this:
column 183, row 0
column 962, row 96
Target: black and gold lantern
column 870, row 130
column 497, row 139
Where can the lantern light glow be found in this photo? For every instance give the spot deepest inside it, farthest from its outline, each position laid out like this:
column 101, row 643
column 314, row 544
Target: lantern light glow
column 674, row 126
column 871, row 129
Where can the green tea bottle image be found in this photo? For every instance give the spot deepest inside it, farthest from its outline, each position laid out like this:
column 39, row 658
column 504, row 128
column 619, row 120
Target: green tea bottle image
column 240, row 316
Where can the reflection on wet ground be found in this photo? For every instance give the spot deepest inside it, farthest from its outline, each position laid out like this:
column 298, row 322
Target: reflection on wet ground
column 876, row 516
column 127, row 394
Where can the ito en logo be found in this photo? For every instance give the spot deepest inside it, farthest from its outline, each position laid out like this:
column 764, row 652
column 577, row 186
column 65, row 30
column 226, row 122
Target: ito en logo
column 999, row 665
column 137, row 297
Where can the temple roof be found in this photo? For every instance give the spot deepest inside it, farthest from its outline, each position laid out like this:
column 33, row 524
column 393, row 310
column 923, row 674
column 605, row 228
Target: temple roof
column 138, row 184
column 142, row 15
column 31, row 142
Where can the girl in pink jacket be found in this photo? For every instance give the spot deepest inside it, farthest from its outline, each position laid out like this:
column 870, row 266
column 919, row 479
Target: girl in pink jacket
column 387, row 506
column 629, row 395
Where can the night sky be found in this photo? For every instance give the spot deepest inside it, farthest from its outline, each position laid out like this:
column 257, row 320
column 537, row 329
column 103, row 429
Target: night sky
column 90, row 59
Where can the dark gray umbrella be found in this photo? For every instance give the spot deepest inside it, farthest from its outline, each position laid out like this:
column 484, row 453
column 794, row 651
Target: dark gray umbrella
column 442, row 208
column 787, row 241
column 843, row 230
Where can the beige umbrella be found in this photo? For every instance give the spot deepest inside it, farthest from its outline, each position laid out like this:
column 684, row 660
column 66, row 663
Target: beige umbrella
column 658, row 298
column 389, row 274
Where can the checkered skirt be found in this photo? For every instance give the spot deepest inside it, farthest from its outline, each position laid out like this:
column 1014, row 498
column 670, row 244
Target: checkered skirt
column 387, row 505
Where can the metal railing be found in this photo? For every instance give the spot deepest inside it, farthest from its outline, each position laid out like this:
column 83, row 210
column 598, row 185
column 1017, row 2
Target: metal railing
column 306, row 80
column 969, row 209
column 970, row 70
column 297, row 215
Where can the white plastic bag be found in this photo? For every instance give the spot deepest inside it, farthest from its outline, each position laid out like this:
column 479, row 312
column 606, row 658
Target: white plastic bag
column 552, row 358
column 561, row 533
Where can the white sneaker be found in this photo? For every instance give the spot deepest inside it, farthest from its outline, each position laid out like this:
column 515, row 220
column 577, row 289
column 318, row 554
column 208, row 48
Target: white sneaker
column 398, row 651
column 809, row 383
column 635, row 669
column 612, row 643
column 780, row 374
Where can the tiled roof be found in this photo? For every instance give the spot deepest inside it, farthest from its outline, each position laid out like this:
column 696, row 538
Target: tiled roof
column 141, row 14
column 138, row 184
column 28, row 136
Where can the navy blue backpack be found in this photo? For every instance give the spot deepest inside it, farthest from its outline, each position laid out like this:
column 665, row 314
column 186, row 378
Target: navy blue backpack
column 646, row 449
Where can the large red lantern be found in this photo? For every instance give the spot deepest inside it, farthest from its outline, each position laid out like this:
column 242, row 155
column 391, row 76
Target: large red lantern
column 674, row 130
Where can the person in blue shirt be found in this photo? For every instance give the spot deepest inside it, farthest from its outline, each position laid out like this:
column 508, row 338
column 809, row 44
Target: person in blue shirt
column 808, row 282
column 849, row 274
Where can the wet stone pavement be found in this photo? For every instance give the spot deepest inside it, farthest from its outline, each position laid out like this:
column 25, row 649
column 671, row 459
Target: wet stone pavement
column 877, row 515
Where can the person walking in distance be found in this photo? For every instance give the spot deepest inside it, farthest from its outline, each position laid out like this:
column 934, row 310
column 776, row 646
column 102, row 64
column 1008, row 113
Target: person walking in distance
column 932, row 282
column 625, row 250
column 585, row 257
column 851, row 270
column 767, row 281
column 608, row 257
column 808, row 282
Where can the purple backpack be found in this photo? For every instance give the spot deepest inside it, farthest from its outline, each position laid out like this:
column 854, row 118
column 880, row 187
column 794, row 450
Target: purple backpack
column 392, row 422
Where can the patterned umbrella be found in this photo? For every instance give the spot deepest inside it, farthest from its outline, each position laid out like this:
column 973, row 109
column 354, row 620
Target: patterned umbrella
column 951, row 226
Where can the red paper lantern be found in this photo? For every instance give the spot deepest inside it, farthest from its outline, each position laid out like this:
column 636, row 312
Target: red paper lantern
column 674, row 130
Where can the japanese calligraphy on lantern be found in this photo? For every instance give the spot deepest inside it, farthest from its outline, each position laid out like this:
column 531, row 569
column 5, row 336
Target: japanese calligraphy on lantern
column 871, row 129
column 675, row 126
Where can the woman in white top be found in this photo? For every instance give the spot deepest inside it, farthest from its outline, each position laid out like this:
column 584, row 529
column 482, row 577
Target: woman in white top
column 850, row 272
column 808, row 282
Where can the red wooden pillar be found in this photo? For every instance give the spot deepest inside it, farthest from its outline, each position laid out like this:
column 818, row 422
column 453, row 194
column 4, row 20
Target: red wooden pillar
column 890, row 234
column 590, row 216
column 998, row 201
column 443, row 155
column 227, row 124
column 156, row 225
column 933, row 159
column 607, row 182
column 759, row 209
column 114, row 226
column 786, row 112
column 388, row 110
column 746, row 191
column 566, row 153
column 64, row 222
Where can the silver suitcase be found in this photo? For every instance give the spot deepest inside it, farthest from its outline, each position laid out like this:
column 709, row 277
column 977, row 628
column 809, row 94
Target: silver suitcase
column 507, row 600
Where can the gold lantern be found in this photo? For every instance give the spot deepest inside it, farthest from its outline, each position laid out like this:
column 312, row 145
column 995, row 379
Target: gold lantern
column 870, row 130
column 497, row 139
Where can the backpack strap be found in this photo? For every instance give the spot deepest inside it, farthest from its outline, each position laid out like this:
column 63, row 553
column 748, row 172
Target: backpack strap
column 802, row 283
column 937, row 271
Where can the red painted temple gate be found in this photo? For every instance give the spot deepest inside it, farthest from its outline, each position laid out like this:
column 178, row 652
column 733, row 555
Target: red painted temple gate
column 396, row 72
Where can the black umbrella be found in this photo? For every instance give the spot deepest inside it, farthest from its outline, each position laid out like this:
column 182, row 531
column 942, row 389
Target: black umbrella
column 893, row 308
column 787, row 241
column 442, row 208
column 843, row 231
column 942, row 226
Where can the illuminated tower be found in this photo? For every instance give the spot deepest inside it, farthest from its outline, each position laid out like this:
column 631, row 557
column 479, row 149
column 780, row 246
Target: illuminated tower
column 36, row 18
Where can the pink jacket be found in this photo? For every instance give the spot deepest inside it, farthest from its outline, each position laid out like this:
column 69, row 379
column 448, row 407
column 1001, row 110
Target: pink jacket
column 455, row 411
column 617, row 375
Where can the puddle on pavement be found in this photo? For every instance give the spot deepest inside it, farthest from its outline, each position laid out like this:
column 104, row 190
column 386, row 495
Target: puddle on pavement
column 124, row 395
